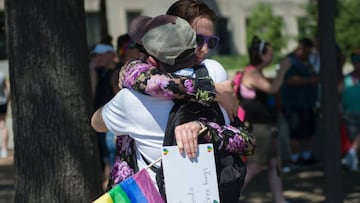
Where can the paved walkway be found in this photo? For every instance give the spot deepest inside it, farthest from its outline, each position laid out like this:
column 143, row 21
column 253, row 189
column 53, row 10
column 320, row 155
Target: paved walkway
column 299, row 187
column 303, row 186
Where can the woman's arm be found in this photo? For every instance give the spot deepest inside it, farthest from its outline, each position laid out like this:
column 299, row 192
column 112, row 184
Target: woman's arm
column 260, row 82
column 228, row 138
column 148, row 79
column 97, row 122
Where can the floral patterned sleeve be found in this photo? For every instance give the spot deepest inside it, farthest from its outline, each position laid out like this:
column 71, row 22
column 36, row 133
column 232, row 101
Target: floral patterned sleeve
column 232, row 139
column 149, row 80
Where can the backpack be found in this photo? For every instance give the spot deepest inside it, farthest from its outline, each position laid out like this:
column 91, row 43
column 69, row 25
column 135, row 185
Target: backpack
column 238, row 78
column 230, row 168
column 237, row 82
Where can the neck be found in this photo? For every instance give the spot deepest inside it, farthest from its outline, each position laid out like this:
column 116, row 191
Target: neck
column 261, row 66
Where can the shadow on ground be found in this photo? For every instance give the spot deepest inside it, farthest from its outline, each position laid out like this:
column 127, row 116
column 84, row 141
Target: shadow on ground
column 299, row 186
column 302, row 186
column 7, row 179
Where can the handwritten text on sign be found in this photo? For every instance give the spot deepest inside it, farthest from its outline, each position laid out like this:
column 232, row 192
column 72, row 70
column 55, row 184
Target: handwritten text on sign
column 190, row 180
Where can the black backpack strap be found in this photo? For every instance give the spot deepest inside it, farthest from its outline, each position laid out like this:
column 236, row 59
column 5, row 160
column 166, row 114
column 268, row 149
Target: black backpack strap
column 230, row 169
column 202, row 80
column 169, row 140
column 152, row 167
column 201, row 71
column 176, row 116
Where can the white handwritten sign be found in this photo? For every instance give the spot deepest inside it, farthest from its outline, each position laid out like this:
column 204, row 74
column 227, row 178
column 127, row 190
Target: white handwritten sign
column 190, row 181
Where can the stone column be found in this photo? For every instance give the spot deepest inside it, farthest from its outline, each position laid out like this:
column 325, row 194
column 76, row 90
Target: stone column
column 116, row 17
column 237, row 27
column 291, row 31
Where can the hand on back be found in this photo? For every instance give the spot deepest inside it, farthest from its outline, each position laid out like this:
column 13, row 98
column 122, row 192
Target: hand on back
column 226, row 97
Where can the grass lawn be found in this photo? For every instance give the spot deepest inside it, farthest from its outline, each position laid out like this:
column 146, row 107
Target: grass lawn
column 233, row 63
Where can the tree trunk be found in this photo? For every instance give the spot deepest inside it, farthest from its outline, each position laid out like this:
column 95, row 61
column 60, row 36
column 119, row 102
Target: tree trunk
column 104, row 31
column 56, row 151
column 330, row 129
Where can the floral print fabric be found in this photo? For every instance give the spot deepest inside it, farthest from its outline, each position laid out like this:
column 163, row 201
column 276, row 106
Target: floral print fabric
column 125, row 160
column 148, row 79
column 238, row 140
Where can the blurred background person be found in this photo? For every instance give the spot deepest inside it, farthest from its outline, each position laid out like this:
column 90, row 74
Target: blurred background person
column 298, row 95
column 102, row 66
column 255, row 90
column 350, row 99
column 4, row 100
column 126, row 51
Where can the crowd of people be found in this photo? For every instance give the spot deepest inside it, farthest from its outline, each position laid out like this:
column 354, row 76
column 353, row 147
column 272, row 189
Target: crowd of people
column 160, row 74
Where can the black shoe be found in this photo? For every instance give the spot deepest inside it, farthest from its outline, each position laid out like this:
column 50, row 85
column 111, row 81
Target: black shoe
column 297, row 165
column 308, row 162
column 301, row 163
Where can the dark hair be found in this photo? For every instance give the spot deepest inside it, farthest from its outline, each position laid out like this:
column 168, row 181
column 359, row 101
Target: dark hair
column 121, row 40
column 306, row 42
column 107, row 40
column 257, row 47
column 191, row 9
column 354, row 55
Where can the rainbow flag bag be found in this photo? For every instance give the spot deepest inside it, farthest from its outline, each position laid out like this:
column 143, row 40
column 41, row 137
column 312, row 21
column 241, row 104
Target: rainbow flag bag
column 138, row 188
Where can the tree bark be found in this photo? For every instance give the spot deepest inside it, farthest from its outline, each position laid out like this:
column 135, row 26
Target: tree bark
column 56, row 150
column 104, row 31
column 330, row 129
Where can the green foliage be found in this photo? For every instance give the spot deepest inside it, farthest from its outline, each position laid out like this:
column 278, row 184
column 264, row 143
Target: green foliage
column 265, row 25
column 238, row 62
column 348, row 25
column 308, row 24
column 347, row 21
column 235, row 62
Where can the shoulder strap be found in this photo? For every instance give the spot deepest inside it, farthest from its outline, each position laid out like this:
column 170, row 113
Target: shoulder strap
column 237, row 82
column 201, row 71
column 185, row 111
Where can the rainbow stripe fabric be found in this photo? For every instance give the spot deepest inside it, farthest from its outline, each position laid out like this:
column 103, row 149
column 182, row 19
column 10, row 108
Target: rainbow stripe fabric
column 136, row 189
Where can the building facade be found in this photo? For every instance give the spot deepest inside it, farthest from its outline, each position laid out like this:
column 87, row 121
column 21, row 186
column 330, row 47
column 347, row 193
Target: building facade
column 232, row 16
column 231, row 26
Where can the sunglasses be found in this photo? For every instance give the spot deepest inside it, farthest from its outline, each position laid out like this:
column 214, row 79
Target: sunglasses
column 211, row 41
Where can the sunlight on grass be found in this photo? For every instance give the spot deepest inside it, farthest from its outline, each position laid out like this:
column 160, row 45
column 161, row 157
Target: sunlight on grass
column 238, row 62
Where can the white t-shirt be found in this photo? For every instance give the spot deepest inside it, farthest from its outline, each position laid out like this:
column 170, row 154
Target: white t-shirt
column 216, row 71
column 144, row 118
